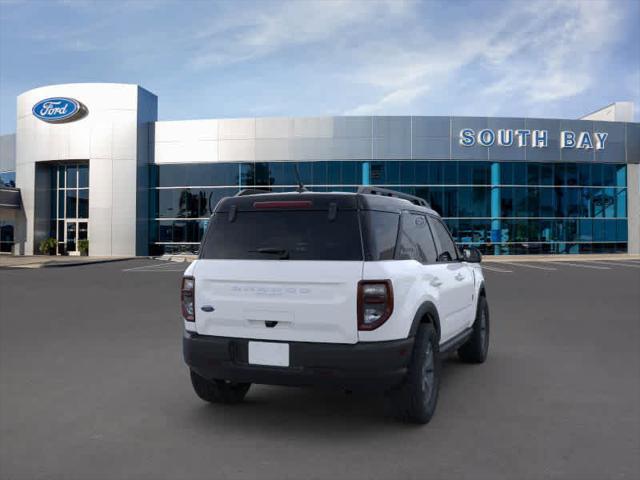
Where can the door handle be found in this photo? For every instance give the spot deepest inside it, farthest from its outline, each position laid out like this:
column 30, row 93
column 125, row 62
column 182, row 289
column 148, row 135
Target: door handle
column 435, row 282
column 207, row 308
column 459, row 277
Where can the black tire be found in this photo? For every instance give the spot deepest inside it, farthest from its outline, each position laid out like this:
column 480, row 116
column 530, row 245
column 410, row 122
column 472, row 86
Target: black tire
column 476, row 349
column 218, row 391
column 415, row 400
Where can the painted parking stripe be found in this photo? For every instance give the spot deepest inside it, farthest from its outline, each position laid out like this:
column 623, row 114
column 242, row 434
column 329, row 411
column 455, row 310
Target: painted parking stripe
column 155, row 267
column 537, row 267
column 495, row 269
column 580, row 265
column 156, row 270
column 616, row 263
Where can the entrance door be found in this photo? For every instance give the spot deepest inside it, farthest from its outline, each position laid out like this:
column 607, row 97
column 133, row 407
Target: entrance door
column 74, row 232
column 71, row 237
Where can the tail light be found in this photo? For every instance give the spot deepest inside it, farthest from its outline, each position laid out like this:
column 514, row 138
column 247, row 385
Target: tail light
column 187, row 298
column 375, row 303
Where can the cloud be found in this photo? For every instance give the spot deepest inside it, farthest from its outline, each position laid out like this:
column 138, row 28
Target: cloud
column 270, row 27
column 534, row 52
column 560, row 59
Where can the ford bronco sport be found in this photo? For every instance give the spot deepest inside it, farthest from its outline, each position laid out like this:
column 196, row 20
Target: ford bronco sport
column 352, row 290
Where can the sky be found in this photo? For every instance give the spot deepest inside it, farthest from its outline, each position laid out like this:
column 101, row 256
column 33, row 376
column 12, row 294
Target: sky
column 207, row 59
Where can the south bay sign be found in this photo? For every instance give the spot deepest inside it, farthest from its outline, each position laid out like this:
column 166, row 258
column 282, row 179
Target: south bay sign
column 531, row 138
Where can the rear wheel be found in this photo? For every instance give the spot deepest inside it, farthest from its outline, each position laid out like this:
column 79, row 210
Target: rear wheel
column 475, row 350
column 218, row 391
column 415, row 400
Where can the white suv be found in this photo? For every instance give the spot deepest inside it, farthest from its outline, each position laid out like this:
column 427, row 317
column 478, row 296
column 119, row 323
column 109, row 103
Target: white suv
column 352, row 290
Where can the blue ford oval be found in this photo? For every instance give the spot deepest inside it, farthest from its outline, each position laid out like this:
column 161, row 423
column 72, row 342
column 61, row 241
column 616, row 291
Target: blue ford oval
column 57, row 109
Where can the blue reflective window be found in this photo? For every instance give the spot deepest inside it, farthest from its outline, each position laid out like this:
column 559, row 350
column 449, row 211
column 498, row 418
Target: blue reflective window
column 474, row 173
column 621, row 230
column 621, row 202
column 519, row 173
column 450, row 173
column 546, row 174
column 546, row 203
column 436, row 173
column 506, row 173
column 533, row 173
column 351, row 173
column 585, row 230
column 621, row 175
column 8, row 179
column 506, row 202
column 584, row 174
column 319, row 173
column 450, row 202
column 474, row 201
column 83, row 176
column 408, row 172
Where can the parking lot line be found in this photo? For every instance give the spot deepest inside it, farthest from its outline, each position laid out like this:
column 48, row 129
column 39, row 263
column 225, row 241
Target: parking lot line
column 495, row 269
column 616, row 263
column 580, row 265
column 537, row 267
column 157, row 268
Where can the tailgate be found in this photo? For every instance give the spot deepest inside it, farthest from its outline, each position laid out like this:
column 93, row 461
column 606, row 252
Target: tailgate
column 304, row 301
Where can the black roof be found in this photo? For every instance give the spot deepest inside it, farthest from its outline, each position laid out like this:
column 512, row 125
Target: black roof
column 361, row 200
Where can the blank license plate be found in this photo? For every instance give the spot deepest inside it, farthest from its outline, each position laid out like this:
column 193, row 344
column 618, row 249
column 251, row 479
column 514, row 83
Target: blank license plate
column 267, row 353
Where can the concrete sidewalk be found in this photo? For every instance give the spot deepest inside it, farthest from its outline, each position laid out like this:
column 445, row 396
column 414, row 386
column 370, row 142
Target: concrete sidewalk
column 47, row 261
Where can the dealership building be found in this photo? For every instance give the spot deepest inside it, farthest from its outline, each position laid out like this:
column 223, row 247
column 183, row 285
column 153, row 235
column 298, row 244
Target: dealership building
column 90, row 162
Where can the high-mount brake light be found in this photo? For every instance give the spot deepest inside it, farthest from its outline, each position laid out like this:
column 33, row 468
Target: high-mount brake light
column 375, row 303
column 187, row 298
column 283, row 204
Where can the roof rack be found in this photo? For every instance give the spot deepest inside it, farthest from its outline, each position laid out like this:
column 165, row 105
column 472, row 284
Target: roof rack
column 252, row 191
column 385, row 192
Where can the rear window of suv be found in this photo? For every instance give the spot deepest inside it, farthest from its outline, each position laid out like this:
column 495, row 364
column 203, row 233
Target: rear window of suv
column 283, row 235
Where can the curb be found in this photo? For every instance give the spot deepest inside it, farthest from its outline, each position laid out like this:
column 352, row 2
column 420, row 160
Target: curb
column 64, row 264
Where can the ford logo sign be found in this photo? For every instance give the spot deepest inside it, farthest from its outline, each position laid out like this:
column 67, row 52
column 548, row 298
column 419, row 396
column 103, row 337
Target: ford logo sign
column 59, row 110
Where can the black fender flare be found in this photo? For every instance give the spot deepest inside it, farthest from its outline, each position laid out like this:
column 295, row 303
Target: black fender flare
column 427, row 309
column 482, row 292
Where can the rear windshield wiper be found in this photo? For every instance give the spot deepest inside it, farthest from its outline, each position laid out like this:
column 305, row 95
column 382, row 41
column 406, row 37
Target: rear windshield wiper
column 282, row 252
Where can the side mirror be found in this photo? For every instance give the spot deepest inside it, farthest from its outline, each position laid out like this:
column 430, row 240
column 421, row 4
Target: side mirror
column 471, row 254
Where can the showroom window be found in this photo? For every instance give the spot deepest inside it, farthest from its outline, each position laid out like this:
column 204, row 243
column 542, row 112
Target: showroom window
column 533, row 207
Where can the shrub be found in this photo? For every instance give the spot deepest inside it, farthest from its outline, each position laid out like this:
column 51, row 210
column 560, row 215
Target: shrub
column 48, row 246
column 83, row 246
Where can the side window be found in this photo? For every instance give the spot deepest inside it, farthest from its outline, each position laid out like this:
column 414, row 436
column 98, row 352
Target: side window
column 445, row 244
column 380, row 230
column 414, row 240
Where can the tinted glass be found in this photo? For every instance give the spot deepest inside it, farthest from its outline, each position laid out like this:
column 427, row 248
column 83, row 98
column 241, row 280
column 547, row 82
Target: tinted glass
column 71, row 204
column 380, row 230
column 83, row 203
column 72, row 177
column 8, row 179
column 443, row 239
column 284, row 235
column 544, row 207
column 83, row 176
column 414, row 239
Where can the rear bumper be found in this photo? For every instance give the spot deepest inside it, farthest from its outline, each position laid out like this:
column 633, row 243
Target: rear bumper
column 375, row 365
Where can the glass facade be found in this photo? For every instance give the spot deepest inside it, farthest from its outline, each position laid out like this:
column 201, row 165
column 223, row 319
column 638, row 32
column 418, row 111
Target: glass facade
column 501, row 207
column 8, row 179
column 69, row 205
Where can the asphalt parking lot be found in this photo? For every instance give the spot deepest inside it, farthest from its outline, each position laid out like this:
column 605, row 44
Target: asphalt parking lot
column 92, row 386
